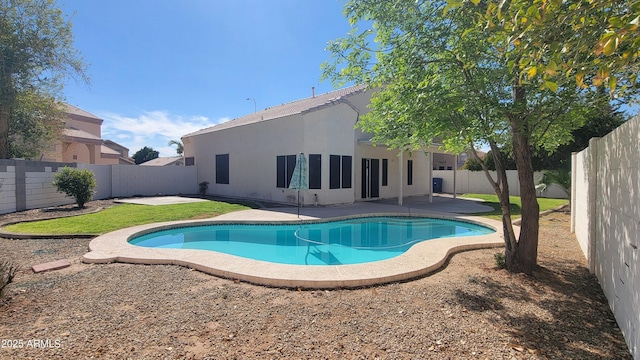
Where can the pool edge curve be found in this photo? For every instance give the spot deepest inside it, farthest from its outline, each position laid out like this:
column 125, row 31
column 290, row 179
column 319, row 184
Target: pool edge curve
column 420, row 260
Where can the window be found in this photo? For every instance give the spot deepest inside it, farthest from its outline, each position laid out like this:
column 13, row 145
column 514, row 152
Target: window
column 315, row 171
column 189, row 161
column 409, row 172
column 222, row 169
column 340, row 171
column 284, row 170
column 385, row 172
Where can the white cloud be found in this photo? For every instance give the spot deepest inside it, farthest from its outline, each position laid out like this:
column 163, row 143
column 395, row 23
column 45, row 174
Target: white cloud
column 152, row 128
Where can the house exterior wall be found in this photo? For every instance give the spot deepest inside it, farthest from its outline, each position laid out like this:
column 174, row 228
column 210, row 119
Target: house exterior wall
column 92, row 126
column 109, row 159
column 253, row 150
column 327, row 130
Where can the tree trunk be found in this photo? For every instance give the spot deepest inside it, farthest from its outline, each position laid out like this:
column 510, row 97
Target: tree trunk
column 526, row 255
column 501, row 188
column 5, row 115
column 524, row 258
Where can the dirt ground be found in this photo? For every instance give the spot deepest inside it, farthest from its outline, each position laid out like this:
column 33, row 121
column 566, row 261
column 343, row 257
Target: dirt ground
column 468, row 310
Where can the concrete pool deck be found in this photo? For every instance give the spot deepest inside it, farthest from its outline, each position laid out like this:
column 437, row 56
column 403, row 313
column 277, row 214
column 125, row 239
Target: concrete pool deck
column 421, row 259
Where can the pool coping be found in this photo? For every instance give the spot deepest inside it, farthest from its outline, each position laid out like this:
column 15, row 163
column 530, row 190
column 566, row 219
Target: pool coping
column 421, row 259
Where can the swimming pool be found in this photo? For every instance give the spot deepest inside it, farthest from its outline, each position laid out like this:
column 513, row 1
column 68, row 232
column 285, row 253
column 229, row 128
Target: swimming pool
column 343, row 242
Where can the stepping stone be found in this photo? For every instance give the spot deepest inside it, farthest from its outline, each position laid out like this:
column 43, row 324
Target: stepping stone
column 54, row 265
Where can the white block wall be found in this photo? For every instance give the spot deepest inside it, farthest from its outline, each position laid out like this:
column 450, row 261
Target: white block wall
column 8, row 190
column 606, row 219
column 40, row 193
column 127, row 180
column 475, row 182
column 112, row 181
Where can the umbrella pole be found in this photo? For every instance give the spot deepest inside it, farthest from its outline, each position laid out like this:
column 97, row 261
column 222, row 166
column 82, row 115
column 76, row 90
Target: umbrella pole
column 298, row 203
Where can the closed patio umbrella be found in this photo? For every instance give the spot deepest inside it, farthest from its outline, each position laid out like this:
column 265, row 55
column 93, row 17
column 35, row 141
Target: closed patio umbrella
column 299, row 179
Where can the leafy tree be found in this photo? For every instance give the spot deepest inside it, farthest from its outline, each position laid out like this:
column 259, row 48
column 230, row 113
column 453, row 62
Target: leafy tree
column 596, row 42
column 179, row 146
column 472, row 164
column 79, row 184
column 145, row 154
column 597, row 124
column 36, row 56
column 35, row 125
column 438, row 75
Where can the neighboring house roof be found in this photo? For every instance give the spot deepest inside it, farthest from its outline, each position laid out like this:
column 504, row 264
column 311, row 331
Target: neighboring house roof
column 115, row 148
column 165, row 161
column 292, row 108
column 81, row 136
column 109, row 151
column 75, row 112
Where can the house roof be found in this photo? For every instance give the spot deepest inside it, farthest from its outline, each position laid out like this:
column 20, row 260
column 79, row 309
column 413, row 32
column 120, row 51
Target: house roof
column 109, row 151
column 292, row 108
column 112, row 144
column 163, row 161
column 81, row 136
column 75, row 112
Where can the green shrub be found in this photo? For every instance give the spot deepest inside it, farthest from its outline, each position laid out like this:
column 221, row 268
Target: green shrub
column 79, row 184
column 202, row 188
column 8, row 271
column 499, row 259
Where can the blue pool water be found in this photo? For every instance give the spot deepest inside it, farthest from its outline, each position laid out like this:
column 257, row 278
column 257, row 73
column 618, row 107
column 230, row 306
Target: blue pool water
column 351, row 241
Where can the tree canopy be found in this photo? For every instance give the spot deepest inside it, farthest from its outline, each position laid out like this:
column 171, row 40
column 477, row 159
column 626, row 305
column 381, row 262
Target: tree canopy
column 595, row 42
column 439, row 75
column 36, row 57
column 145, row 154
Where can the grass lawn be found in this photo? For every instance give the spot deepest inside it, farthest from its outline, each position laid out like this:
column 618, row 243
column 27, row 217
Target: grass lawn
column 124, row 215
column 496, row 214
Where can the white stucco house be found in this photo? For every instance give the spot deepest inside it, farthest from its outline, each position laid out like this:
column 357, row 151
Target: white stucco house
column 253, row 156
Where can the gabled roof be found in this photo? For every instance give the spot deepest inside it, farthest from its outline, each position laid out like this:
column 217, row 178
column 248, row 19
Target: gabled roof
column 81, row 136
column 80, row 114
column 164, row 161
column 292, row 108
column 112, row 144
column 109, row 151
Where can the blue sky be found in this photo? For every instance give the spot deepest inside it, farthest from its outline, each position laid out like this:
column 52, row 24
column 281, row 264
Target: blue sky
column 163, row 68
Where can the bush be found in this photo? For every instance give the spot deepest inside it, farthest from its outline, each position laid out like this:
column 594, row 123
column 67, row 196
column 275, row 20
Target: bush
column 499, row 259
column 202, row 188
column 79, row 184
column 8, row 271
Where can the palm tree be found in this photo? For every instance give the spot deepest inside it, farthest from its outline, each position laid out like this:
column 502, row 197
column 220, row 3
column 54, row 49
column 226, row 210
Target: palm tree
column 180, row 146
column 560, row 177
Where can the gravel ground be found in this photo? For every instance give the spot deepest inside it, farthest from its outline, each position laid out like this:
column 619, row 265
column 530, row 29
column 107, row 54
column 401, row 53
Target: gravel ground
column 469, row 310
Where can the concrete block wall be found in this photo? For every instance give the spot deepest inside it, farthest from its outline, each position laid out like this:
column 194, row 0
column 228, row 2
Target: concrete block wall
column 7, row 189
column 39, row 190
column 606, row 219
column 475, row 182
column 27, row 185
column 127, row 180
